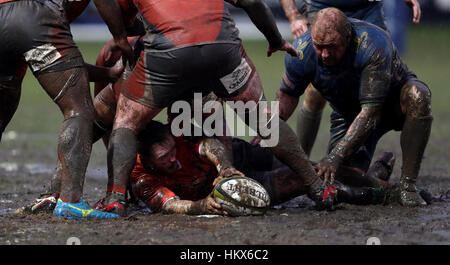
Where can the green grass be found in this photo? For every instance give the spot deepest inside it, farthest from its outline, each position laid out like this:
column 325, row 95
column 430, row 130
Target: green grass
column 428, row 56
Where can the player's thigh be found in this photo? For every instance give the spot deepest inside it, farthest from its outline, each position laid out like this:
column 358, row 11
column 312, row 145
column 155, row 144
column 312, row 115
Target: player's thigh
column 105, row 107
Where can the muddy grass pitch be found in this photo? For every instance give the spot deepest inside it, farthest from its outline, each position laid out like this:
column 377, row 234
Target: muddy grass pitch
column 28, row 158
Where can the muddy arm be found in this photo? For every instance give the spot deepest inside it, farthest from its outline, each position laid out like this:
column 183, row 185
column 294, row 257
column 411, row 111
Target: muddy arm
column 204, row 206
column 287, row 104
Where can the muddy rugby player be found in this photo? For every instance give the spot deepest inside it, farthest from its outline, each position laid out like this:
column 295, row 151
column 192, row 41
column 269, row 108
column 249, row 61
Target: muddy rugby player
column 200, row 35
column 167, row 166
column 356, row 68
column 310, row 114
column 36, row 33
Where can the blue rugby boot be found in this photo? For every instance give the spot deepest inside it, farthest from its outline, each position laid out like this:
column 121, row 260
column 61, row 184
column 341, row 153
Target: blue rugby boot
column 80, row 210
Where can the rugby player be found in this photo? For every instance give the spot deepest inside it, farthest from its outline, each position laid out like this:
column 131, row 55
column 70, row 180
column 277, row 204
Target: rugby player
column 190, row 45
column 356, row 68
column 310, row 113
column 37, row 33
column 177, row 174
column 45, row 44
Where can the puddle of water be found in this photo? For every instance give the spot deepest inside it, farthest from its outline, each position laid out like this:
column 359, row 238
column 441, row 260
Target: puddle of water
column 6, row 211
column 40, row 168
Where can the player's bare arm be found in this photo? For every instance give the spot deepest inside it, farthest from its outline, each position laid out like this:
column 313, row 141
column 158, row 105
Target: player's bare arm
column 415, row 6
column 299, row 24
column 110, row 11
column 98, row 73
column 360, row 129
column 262, row 17
column 287, row 104
column 205, row 206
column 220, row 156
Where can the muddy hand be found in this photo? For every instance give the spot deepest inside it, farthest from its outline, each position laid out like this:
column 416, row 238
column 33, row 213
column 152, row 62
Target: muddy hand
column 210, row 206
column 116, row 71
column 298, row 27
column 226, row 173
column 287, row 47
column 326, row 168
column 127, row 52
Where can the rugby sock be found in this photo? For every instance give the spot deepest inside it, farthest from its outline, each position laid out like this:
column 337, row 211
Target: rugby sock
column 413, row 141
column 74, row 149
column 308, row 123
column 122, row 153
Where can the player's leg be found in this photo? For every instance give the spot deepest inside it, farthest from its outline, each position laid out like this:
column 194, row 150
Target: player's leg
column 9, row 100
column 309, row 117
column 415, row 103
column 287, row 149
column 136, row 107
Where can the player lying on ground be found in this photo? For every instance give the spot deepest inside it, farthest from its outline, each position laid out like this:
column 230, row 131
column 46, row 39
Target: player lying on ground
column 177, row 174
column 310, row 114
column 195, row 45
column 37, row 33
column 356, row 68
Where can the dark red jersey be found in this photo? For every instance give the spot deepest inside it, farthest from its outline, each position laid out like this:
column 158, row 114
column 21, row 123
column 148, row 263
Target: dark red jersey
column 193, row 181
column 175, row 23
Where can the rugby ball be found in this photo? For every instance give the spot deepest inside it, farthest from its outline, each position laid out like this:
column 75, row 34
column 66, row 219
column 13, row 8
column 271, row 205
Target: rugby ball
column 239, row 195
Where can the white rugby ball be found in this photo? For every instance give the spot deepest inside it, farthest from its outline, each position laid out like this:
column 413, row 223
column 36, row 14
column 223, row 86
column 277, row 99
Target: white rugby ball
column 239, row 195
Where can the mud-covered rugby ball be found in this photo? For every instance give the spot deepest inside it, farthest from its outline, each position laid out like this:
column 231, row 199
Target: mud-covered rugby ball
column 239, row 195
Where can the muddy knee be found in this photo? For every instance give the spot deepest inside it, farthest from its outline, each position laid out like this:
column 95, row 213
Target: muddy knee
column 416, row 100
column 314, row 102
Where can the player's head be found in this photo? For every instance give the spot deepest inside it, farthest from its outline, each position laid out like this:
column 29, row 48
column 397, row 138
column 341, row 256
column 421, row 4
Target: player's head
column 330, row 33
column 157, row 148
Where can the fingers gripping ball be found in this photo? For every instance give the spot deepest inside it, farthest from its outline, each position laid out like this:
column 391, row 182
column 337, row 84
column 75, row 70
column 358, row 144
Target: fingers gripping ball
column 239, row 195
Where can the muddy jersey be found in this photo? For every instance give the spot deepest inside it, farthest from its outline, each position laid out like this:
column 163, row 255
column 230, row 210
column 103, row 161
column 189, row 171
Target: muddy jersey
column 370, row 72
column 174, row 23
column 192, row 181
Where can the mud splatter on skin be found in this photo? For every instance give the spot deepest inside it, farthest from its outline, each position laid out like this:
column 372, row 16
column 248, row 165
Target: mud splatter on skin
column 216, row 152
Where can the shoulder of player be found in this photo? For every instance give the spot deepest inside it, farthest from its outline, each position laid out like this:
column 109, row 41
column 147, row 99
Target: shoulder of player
column 305, row 59
column 369, row 35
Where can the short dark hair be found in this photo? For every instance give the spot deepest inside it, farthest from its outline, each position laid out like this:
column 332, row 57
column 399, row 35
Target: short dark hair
column 155, row 132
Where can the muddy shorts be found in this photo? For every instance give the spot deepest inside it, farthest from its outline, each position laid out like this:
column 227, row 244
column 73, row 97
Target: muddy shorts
column 34, row 32
column 391, row 119
column 163, row 77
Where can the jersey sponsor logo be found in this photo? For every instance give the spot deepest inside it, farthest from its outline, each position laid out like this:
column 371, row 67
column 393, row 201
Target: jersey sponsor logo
column 362, row 40
column 42, row 56
column 236, row 79
column 301, row 45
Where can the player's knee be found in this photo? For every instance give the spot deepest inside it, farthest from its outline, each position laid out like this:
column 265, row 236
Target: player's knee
column 419, row 97
column 314, row 102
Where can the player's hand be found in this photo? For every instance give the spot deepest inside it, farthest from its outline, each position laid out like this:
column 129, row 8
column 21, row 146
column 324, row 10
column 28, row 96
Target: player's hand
column 327, row 168
column 415, row 6
column 287, row 47
column 116, row 71
column 127, row 52
column 298, row 27
column 209, row 205
column 256, row 140
column 226, row 173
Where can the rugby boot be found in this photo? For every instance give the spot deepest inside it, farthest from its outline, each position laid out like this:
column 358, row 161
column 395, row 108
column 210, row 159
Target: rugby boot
column 80, row 210
column 118, row 207
column 383, row 167
column 409, row 194
column 114, row 202
column 318, row 193
column 46, row 203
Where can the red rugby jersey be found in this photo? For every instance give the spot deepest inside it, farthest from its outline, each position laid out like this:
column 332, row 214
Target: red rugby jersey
column 193, row 181
column 175, row 23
